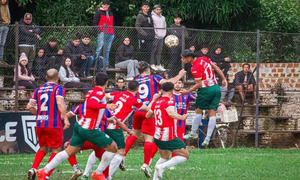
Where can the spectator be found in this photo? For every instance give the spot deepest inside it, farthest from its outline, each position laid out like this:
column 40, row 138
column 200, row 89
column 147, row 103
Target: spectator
column 25, row 77
column 89, row 52
column 125, row 60
column 176, row 29
column 28, row 35
column 144, row 25
column 4, row 22
column 244, row 80
column 39, row 69
column 104, row 16
column 75, row 53
column 53, row 54
column 120, row 85
column 159, row 23
column 69, row 77
column 203, row 51
column 192, row 48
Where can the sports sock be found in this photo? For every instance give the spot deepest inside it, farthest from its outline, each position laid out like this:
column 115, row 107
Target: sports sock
column 105, row 160
column 173, row 162
column 90, row 163
column 211, row 127
column 49, row 160
column 129, row 142
column 197, row 121
column 58, row 159
column 153, row 152
column 173, row 155
column 160, row 161
column 147, row 152
column 106, row 171
column 39, row 156
column 114, row 165
column 73, row 161
column 99, row 152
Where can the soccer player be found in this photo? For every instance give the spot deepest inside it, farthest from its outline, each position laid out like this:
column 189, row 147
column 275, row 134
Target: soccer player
column 87, row 129
column 165, row 136
column 208, row 92
column 148, row 86
column 47, row 103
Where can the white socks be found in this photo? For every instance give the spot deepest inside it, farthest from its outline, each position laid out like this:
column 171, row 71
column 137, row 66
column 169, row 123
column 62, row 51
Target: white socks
column 114, row 165
column 211, row 127
column 105, row 160
column 76, row 167
column 57, row 160
column 197, row 121
column 160, row 161
column 90, row 163
column 174, row 161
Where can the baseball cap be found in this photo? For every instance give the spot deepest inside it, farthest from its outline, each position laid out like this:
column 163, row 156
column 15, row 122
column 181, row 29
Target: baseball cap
column 28, row 16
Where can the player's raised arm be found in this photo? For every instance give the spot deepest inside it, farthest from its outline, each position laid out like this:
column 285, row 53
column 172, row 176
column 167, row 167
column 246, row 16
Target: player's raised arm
column 197, row 85
column 173, row 114
column 174, row 79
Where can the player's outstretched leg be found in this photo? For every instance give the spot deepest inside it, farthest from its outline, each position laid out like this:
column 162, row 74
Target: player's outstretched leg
column 210, row 130
column 39, row 156
column 197, row 121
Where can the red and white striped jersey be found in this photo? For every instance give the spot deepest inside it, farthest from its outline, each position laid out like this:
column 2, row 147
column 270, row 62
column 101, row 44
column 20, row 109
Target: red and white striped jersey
column 127, row 103
column 202, row 70
column 95, row 104
column 165, row 126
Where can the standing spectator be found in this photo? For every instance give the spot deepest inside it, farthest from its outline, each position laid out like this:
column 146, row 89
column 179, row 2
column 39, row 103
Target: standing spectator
column 203, row 51
column 4, row 22
column 47, row 103
column 25, row 77
column 144, row 27
column 178, row 30
column 120, row 85
column 89, row 52
column 75, row 53
column 159, row 23
column 125, row 60
column 69, row 77
column 28, row 36
column 53, row 54
column 39, row 69
column 244, row 80
column 104, row 17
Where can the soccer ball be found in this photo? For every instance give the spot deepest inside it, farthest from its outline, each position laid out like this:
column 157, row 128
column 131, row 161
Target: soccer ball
column 171, row 41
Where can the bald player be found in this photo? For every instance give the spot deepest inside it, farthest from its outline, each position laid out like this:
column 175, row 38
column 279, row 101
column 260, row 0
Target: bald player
column 47, row 103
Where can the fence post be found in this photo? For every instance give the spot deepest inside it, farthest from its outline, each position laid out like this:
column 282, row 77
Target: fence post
column 182, row 48
column 104, row 47
column 257, row 88
column 16, row 66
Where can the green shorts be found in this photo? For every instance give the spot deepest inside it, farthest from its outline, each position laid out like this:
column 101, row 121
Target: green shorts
column 208, row 97
column 95, row 136
column 118, row 136
column 170, row 145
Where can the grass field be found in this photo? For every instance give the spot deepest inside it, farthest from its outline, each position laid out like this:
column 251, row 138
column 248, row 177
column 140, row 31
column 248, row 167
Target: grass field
column 203, row 164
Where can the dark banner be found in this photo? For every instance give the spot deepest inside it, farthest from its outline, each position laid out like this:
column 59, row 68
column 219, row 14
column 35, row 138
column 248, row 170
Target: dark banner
column 17, row 133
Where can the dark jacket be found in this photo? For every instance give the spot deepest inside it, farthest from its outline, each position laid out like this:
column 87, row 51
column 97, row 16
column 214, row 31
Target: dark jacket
column 87, row 49
column 200, row 54
column 39, row 64
column 143, row 20
column 177, row 31
column 239, row 78
column 71, row 50
column 102, row 17
column 9, row 19
column 124, row 52
column 49, row 51
column 26, row 37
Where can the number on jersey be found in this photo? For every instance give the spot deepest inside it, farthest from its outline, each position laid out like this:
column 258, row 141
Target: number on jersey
column 143, row 91
column 44, row 106
column 158, row 119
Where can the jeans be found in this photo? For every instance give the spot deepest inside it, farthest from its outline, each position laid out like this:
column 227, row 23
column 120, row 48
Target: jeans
column 3, row 35
column 80, row 64
column 91, row 63
column 145, row 50
column 175, row 61
column 223, row 92
column 157, row 46
column 100, row 42
column 130, row 65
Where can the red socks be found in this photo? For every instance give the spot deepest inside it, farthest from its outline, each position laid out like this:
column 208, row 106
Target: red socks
column 129, row 142
column 50, row 158
column 72, row 160
column 147, row 152
column 154, row 150
column 38, row 159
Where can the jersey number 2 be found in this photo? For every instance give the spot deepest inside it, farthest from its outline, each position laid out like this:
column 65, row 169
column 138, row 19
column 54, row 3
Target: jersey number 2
column 44, row 106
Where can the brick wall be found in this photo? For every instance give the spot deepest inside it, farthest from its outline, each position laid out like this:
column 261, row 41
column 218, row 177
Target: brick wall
column 272, row 73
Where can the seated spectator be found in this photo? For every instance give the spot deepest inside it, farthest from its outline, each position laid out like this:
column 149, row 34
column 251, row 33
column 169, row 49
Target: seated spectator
column 25, row 77
column 124, row 59
column 69, row 77
column 244, row 80
column 192, row 48
column 74, row 52
column 203, row 51
column 120, row 85
column 220, row 58
column 39, row 68
column 53, row 54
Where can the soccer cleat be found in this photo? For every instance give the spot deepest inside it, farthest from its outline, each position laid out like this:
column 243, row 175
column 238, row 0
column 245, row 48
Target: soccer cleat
column 122, row 165
column 41, row 174
column 109, row 178
column 160, row 68
column 205, row 143
column 190, row 136
column 76, row 174
column 159, row 171
column 98, row 176
column 84, row 177
column 31, row 174
column 146, row 169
